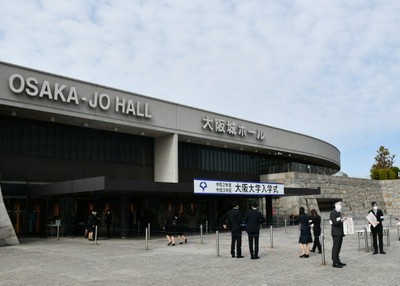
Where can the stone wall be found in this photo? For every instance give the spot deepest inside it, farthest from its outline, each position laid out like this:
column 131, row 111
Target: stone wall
column 7, row 233
column 356, row 194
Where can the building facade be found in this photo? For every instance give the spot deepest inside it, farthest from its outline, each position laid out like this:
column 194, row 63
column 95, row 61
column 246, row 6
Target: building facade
column 68, row 147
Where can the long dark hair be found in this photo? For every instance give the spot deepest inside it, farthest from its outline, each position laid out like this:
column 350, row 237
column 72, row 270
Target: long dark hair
column 302, row 210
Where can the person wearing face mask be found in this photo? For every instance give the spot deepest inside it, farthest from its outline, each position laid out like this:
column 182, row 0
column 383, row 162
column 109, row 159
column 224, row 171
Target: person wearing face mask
column 377, row 228
column 336, row 221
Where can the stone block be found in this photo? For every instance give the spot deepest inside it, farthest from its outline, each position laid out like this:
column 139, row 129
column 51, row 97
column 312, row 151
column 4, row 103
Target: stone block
column 7, row 232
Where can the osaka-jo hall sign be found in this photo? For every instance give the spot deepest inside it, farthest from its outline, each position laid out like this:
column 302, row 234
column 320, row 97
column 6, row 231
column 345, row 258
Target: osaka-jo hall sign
column 212, row 187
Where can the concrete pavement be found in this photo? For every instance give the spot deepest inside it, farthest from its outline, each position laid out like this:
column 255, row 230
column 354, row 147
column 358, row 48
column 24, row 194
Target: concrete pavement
column 77, row 261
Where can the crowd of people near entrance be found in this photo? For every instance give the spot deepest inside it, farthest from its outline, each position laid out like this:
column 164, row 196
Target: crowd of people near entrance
column 309, row 229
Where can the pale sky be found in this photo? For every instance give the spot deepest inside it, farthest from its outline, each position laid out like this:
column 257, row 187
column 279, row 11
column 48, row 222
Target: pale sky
column 327, row 69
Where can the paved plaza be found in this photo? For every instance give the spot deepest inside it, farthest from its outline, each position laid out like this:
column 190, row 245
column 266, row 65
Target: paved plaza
column 77, row 261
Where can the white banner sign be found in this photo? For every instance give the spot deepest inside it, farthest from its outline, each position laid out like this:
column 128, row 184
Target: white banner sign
column 237, row 188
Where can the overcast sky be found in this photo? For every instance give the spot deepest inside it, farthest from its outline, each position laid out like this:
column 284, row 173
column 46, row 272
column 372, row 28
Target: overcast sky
column 327, row 69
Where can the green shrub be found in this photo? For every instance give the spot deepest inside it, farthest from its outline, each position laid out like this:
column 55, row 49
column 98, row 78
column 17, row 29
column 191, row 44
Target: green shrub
column 396, row 171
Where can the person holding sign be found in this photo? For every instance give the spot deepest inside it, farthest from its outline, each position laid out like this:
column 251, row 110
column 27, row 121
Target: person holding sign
column 375, row 218
column 336, row 221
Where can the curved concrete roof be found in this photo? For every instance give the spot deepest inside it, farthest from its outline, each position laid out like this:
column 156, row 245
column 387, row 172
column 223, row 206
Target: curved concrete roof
column 40, row 95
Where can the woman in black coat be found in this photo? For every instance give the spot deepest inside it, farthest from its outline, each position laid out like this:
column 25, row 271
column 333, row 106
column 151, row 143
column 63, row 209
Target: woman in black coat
column 170, row 224
column 305, row 233
column 316, row 222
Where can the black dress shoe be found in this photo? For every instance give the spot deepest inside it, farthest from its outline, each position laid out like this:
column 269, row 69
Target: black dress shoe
column 239, row 256
column 256, row 257
column 301, row 256
column 383, row 252
column 343, row 264
column 337, row 265
column 375, row 252
column 306, row 255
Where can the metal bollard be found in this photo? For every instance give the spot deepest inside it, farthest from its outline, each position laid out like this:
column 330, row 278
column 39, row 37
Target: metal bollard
column 201, row 234
column 58, row 231
column 366, row 238
column 148, row 226
column 285, row 224
column 95, row 235
column 323, row 248
column 206, row 226
column 272, row 236
column 146, row 239
column 217, row 235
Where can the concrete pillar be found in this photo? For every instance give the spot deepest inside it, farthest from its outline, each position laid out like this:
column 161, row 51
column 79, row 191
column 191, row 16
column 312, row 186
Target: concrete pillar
column 166, row 159
column 7, row 233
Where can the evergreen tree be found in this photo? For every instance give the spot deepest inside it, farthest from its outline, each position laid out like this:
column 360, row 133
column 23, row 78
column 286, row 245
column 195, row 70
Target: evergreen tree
column 383, row 168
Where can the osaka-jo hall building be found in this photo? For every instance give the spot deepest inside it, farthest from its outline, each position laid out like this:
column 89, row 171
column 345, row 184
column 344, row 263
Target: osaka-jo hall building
column 69, row 147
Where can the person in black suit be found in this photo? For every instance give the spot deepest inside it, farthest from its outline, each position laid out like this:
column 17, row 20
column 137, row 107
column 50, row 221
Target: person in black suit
column 253, row 219
column 336, row 221
column 316, row 225
column 233, row 220
column 377, row 229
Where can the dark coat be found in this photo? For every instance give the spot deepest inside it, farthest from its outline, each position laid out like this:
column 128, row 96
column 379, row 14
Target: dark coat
column 316, row 221
column 92, row 222
column 253, row 219
column 233, row 219
column 379, row 217
column 181, row 224
column 337, row 224
column 305, row 229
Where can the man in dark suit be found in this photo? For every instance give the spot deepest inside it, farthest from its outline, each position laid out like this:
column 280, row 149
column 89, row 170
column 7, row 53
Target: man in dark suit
column 253, row 219
column 377, row 228
column 233, row 219
column 336, row 221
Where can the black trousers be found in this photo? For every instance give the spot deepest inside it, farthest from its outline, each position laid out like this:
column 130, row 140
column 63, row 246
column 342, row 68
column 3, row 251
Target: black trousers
column 377, row 232
column 236, row 242
column 337, row 245
column 253, row 243
column 317, row 244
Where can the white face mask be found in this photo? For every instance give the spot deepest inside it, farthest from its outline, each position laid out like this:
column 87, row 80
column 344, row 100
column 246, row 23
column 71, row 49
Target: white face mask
column 375, row 208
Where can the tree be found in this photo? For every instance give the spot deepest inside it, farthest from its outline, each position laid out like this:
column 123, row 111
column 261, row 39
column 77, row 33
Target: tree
column 383, row 168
